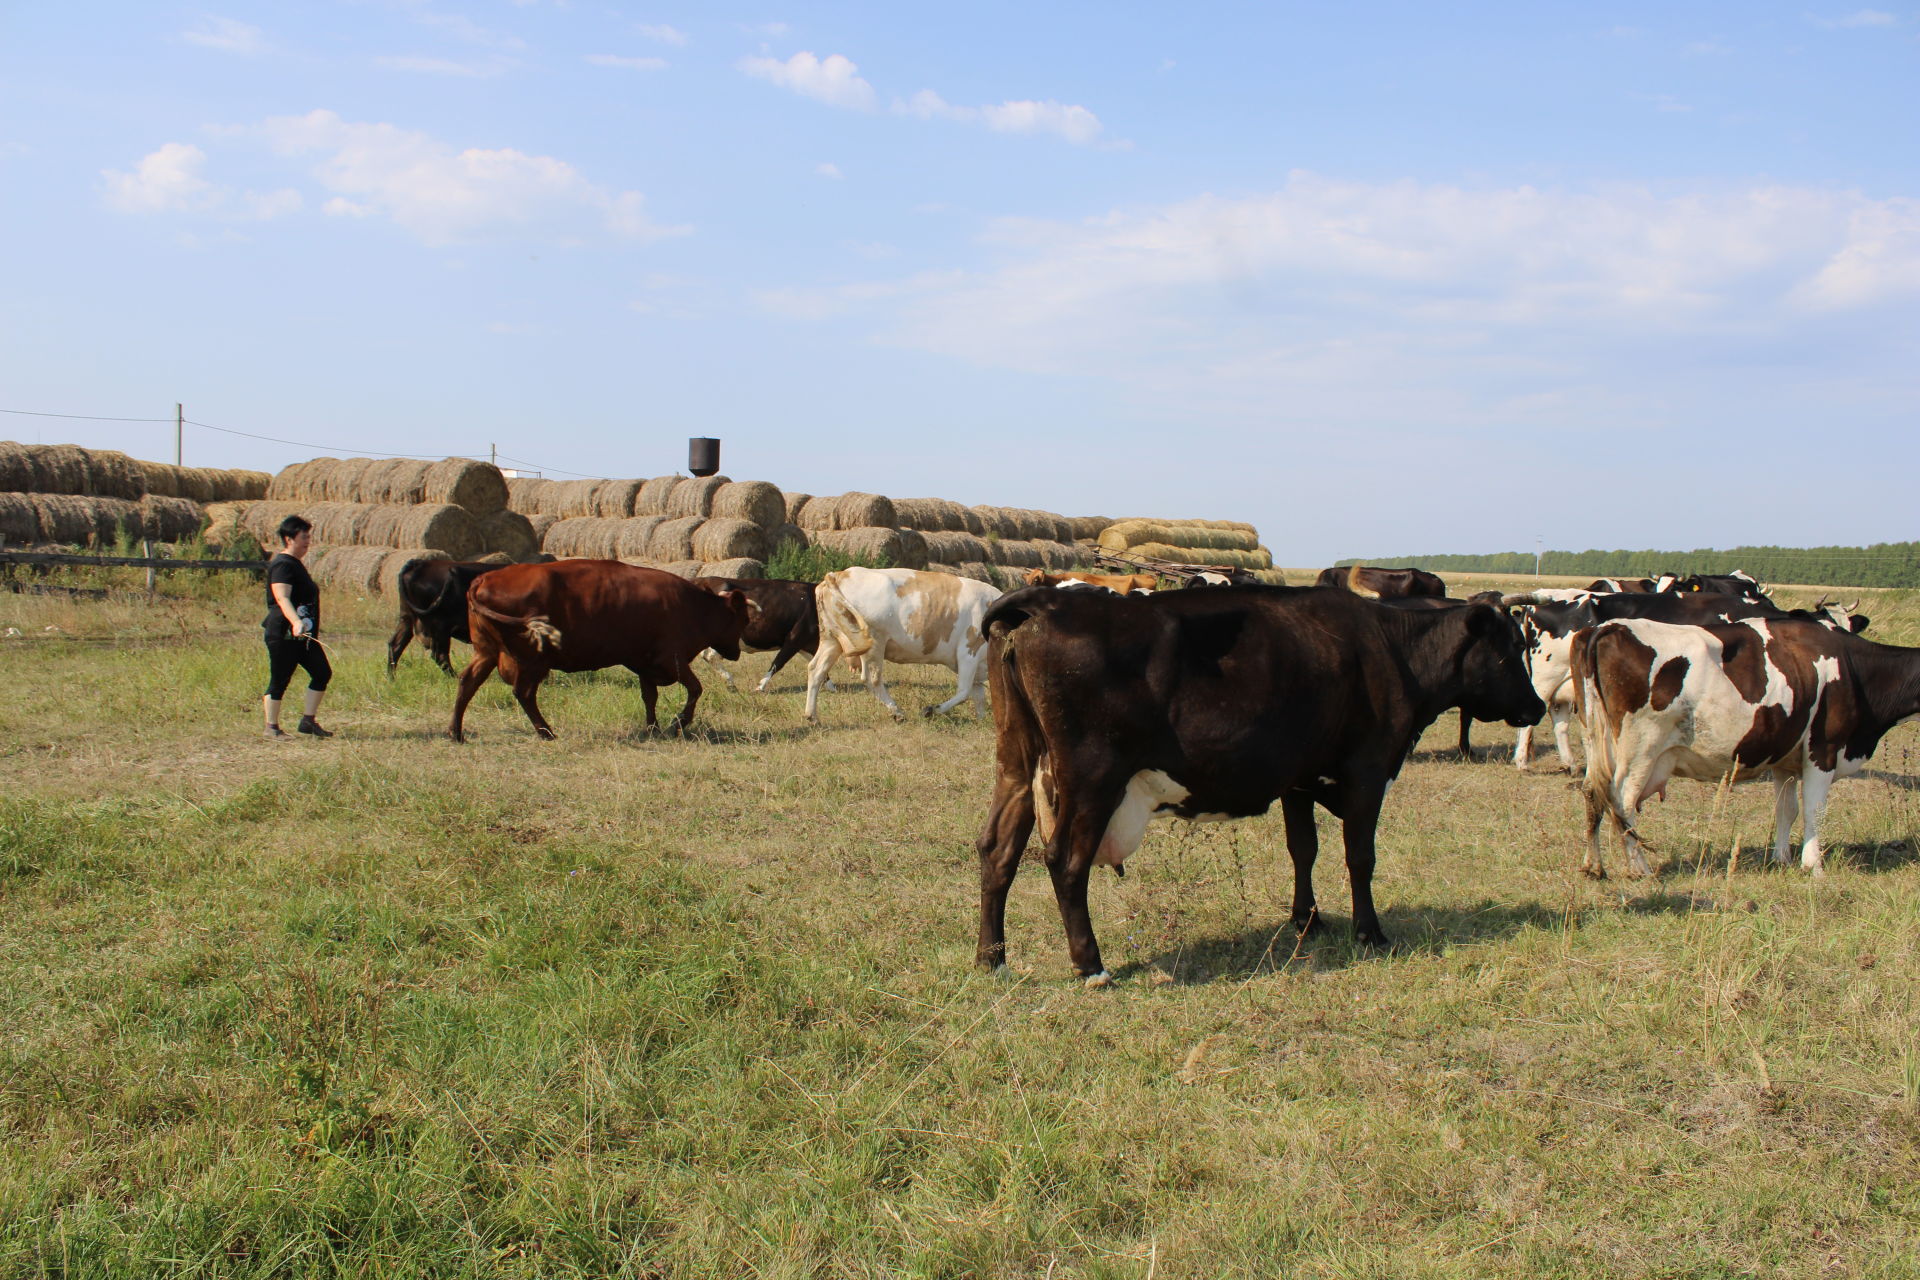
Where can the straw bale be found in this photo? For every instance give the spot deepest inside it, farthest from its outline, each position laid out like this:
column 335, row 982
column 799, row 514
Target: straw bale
column 510, row 532
column 462, row 482
column 169, row 519
column 227, row 530
column 500, row 558
column 951, row 570
column 525, row 494
column 694, row 496
column 580, row 537
column 441, row 527
column 993, row 521
column 62, row 468
column 195, row 483
column 242, row 484
column 1088, row 527
column 1133, row 533
column 913, row 549
column 355, row 569
column 19, row 519
column 739, row 567
column 953, row 547
column 379, row 526
column 688, row 569
column 343, row 479
column 635, row 533
column 1240, row 525
column 755, row 500
column 542, row 524
column 574, row 499
column 108, row 473
column 614, row 499
column 77, row 519
column 729, row 538
column 672, row 540
column 1055, row 556
column 973, row 522
column 878, row 546
column 931, row 515
column 406, row 482
column 287, row 484
column 1016, row 552
column 980, row 571
column 397, row 560
column 262, row 518
column 782, row 535
column 16, row 467
column 864, row 511
column 1224, row 557
column 654, row 496
column 794, row 502
column 816, row 514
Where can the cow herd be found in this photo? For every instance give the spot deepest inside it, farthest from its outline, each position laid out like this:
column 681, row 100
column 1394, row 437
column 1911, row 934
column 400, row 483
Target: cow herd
column 1114, row 704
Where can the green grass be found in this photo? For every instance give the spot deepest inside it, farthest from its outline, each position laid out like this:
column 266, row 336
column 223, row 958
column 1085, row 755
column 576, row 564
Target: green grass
column 626, row 1006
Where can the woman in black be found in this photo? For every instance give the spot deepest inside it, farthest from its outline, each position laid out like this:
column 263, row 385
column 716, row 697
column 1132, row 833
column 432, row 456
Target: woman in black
column 292, row 626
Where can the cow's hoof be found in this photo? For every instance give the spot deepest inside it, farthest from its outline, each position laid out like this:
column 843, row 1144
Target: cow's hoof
column 1373, row 941
column 927, row 712
column 1100, row 979
column 545, row 735
column 1308, row 925
column 1594, row 873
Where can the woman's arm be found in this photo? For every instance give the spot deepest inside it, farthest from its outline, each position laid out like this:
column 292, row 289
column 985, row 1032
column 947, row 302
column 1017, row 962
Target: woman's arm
column 283, row 596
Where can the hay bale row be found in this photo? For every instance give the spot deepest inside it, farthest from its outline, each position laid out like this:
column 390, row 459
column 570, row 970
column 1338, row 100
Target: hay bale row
column 655, row 494
column 1088, row 528
column 1196, row 523
column 846, row 511
column 434, row 526
column 1225, row 557
column 661, row 540
column 897, row 548
column 737, row 567
column 226, row 531
column 954, row 547
column 73, row 519
column 756, row 501
column 69, row 469
column 1024, row 525
column 1134, row 533
column 1016, row 553
column 476, row 487
column 204, row 484
column 937, row 515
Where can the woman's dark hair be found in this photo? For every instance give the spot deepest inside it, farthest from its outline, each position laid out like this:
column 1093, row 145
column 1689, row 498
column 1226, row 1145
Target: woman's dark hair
column 292, row 527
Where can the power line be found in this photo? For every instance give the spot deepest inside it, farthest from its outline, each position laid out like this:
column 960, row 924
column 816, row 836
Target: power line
column 543, row 470
column 87, row 417
column 307, row 444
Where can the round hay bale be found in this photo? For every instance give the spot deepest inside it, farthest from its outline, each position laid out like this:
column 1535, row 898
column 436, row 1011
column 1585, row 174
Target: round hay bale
column 524, row 493
column 19, row 519
column 672, row 540
column 441, row 527
column 794, row 502
column 202, row 484
column 1224, row 557
column 953, row 547
column 263, row 521
column 62, row 468
column 1086, row 527
column 162, row 482
column 227, row 532
column 285, row 485
column 972, row 522
column 932, row 515
column 462, row 482
column 355, row 569
column 577, row 538
column 1062, row 528
column 979, row 571
column 240, row 485
column 729, row 538
column 343, row 479
column 631, row 544
column 614, row 499
column 395, row 561
column 1015, row 553
column 112, row 474
column 1125, row 534
column 406, row 482
column 913, row 549
column 511, row 533
column 16, row 467
column 380, row 526
column 76, row 520
column 542, row 525
column 754, row 500
column 992, row 521
column 949, row 569
column 881, row 548
column 574, row 498
column 815, row 514
column 739, row 567
column 864, row 511
column 688, row 569
column 169, row 519
column 694, row 496
column 500, row 558
column 654, row 496
column 784, row 535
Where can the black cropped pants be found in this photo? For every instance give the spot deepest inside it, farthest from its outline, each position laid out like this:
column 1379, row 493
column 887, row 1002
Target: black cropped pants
column 284, row 655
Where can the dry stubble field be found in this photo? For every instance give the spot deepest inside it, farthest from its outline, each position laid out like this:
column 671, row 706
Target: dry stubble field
column 623, row 1006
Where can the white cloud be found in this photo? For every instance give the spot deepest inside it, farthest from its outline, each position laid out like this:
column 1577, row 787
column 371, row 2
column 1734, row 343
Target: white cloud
column 834, row 80
column 1075, row 124
column 662, row 33
column 828, row 169
column 1858, row 18
column 168, row 180
column 226, row 35
column 438, row 66
column 443, row 194
column 464, row 28
column 631, row 64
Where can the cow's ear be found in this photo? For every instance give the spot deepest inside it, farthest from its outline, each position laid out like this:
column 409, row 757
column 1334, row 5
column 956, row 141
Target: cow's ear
column 1484, row 620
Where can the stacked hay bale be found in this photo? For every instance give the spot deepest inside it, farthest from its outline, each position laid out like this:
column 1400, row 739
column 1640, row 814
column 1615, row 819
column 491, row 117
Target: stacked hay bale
column 1224, row 543
column 710, row 525
column 66, row 494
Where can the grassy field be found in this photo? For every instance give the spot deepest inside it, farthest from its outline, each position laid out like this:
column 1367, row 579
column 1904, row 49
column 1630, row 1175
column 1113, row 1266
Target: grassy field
column 623, row 1006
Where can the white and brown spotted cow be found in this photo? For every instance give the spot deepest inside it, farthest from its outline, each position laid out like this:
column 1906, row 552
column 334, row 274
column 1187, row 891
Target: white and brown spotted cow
column 1776, row 697
column 877, row 616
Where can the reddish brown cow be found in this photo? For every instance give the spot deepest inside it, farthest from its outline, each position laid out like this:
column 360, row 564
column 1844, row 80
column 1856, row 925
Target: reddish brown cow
column 1120, row 582
column 582, row 615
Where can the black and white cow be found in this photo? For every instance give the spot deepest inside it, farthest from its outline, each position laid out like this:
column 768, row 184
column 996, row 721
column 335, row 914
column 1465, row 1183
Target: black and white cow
column 1112, row 710
column 1787, row 699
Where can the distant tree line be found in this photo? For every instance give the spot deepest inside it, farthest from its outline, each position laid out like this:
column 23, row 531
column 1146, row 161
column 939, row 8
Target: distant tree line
column 1884, row 564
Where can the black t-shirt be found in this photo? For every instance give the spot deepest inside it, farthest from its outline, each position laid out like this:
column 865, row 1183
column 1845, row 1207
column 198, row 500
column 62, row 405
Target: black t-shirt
column 305, row 594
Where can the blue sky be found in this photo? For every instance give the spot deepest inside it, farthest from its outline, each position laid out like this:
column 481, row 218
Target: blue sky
column 1381, row 279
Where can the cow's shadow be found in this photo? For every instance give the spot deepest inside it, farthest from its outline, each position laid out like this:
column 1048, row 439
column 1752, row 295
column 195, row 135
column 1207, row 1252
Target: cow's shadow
column 1416, row 931
column 1873, row 857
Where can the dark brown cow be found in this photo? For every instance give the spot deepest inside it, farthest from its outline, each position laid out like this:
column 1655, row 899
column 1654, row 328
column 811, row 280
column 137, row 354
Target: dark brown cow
column 1382, row 584
column 1793, row 700
column 783, row 619
column 582, row 615
column 433, row 605
column 1111, row 709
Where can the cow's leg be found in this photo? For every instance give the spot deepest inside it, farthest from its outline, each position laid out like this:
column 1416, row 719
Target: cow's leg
column 1640, row 783
column 1523, row 748
column 1466, row 735
column 526, row 678
column 1357, row 825
column 1080, row 823
column 440, row 645
column 1786, row 807
column 1814, row 784
column 1303, row 845
column 691, row 683
column 1562, row 735
column 967, row 671
column 823, row 660
column 713, row 660
column 788, row 647
column 874, row 672
column 484, row 661
column 1002, row 842
column 397, row 643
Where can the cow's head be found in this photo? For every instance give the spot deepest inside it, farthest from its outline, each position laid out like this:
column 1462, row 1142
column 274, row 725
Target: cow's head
column 741, row 610
column 1495, row 681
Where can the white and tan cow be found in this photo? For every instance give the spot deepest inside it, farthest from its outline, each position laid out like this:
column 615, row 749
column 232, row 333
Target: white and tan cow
column 877, row 616
column 1782, row 698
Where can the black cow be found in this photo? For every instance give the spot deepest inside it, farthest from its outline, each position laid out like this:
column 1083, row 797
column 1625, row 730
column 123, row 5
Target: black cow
column 1382, row 584
column 1739, row 584
column 1110, row 709
column 433, row 603
column 785, row 620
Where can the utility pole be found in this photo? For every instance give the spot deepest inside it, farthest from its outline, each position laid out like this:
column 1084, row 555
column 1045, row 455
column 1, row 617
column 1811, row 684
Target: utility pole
column 179, row 422
column 493, row 454
column 1538, row 542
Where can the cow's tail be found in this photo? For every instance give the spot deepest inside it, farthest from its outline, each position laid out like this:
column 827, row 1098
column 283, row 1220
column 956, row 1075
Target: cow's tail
column 1019, row 745
column 839, row 619
column 540, row 630
column 1596, row 724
